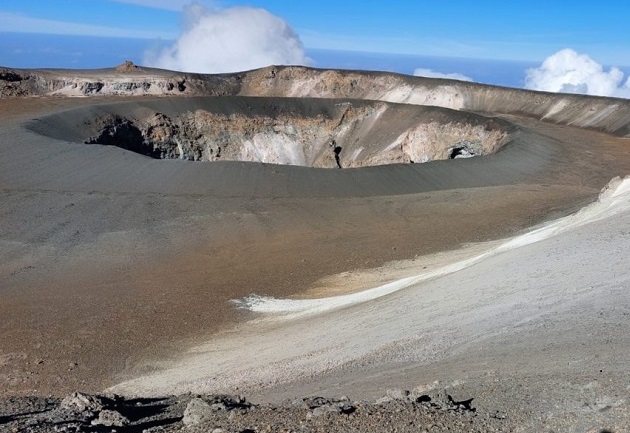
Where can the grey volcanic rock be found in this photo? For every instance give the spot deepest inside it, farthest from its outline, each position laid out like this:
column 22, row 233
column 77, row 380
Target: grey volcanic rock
column 197, row 412
column 233, row 414
column 201, row 410
column 80, row 402
column 110, row 418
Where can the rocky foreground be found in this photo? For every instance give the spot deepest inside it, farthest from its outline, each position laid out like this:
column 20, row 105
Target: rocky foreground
column 398, row 410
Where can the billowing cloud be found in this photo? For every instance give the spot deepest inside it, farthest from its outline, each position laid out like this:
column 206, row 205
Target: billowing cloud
column 230, row 40
column 569, row 72
column 421, row 72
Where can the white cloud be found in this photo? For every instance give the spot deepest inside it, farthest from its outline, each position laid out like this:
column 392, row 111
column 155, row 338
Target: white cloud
column 18, row 23
column 421, row 72
column 230, row 40
column 569, row 72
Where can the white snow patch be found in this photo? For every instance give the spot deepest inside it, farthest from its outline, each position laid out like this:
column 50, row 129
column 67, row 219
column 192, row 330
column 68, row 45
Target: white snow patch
column 614, row 199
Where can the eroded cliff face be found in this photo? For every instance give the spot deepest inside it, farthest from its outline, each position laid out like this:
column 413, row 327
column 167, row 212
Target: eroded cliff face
column 296, row 81
column 339, row 134
column 605, row 114
column 610, row 115
column 124, row 80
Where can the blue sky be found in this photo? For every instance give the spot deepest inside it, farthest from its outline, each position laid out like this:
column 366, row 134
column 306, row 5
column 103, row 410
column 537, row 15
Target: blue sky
column 517, row 30
column 89, row 33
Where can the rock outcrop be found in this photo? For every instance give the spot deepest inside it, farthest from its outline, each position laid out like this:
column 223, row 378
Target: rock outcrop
column 126, row 79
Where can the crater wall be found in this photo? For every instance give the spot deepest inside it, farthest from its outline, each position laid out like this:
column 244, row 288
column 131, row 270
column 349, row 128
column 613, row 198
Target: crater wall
column 311, row 132
column 611, row 115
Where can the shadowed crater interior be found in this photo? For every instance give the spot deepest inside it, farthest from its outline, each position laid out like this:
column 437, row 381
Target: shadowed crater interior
column 327, row 133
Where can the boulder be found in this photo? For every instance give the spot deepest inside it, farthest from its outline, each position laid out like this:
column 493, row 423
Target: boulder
column 79, row 402
column 110, row 418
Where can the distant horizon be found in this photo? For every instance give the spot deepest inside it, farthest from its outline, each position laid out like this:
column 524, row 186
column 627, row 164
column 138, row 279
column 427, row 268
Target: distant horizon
column 96, row 52
column 10, row 50
column 462, row 29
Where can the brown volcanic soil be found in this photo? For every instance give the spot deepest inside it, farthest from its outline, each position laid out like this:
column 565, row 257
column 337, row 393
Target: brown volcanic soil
column 108, row 258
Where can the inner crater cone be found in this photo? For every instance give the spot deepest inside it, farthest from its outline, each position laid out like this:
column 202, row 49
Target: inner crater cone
column 323, row 133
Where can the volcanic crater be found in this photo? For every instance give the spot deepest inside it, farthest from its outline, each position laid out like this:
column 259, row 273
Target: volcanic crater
column 310, row 132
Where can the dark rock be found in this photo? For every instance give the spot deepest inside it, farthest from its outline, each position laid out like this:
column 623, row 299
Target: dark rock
column 314, row 402
column 9, row 75
column 464, row 405
column 92, row 87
